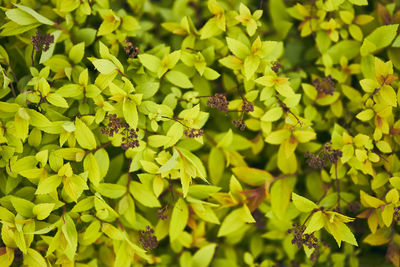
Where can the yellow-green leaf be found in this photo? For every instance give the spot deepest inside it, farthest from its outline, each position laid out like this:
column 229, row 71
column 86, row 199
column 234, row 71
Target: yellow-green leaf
column 179, row 218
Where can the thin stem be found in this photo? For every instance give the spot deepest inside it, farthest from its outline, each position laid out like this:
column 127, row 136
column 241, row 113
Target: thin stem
column 212, row 141
column 309, row 216
column 323, row 196
column 97, row 148
column 82, row 115
column 287, row 110
column 58, row 26
column 11, row 85
column 63, row 213
column 177, row 120
column 376, row 90
column 120, row 72
column 120, row 225
column 32, row 57
column 129, row 177
column 171, row 189
column 337, row 188
column 285, row 176
column 192, row 49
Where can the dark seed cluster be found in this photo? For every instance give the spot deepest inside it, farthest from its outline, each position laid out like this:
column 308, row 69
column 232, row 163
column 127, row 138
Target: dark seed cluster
column 239, row 124
column 219, row 102
column 396, row 214
column 193, row 133
column 148, row 239
column 354, row 207
column 276, row 66
column 325, row 155
column 300, row 239
column 42, row 42
column 131, row 50
column 247, row 106
column 116, row 126
column 325, row 85
column 163, row 213
column 315, row 160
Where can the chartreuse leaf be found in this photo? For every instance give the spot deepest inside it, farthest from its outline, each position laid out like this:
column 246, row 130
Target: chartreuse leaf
column 216, row 163
column 8, row 257
column 34, row 14
column 392, row 196
column 340, row 232
column 387, row 215
column 378, row 39
column 179, row 79
column 6, row 215
column 20, row 241
column 359, row 2
column 91, row 166
column 303, row 204
column 277, row 137
column 203, row 257
column 34, row 258
column 130, row 113
column 395, row 182
column 74, row 186
column 71, row 235
column 111, row 190
column 239, row 49
column 170, row 164
column 104, row 66
column 179, row 218
column 71, row 153
column 38, row 120
column 202, row 191
column 280, row 198
column 316, row 223
column 235, row 220
column 76, row 52
column 84, row 135
column 252, row 176
column 43, row 210
column 57, row 100
column 382, row 236
column 151, row 62
column 174, row 133
column 20, row 17
column 83, row 205
column 49, row 184
column 226, row 140
column 195, row 161
column 9, row 107
column 23, row 206
column 144, row 195
column 112, row 232
column 370, row 201
column 49, row 53
column 205, row 212
column 273, row 114
column 251, row 64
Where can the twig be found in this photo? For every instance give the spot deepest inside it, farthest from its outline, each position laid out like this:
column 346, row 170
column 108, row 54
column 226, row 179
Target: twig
column 337, row 188
column 97, row 148
column 287, row 110
column 11, row 85
column 261, row 5
column 58, row 26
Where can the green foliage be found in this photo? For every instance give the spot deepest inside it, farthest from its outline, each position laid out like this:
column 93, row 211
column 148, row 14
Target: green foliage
column 199, row 133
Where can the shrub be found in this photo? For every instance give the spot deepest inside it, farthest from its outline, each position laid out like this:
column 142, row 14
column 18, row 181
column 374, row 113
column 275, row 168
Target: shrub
column 196, row 133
